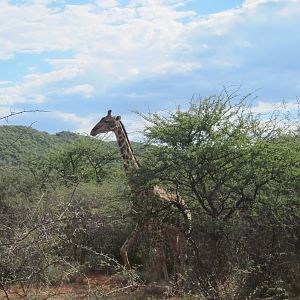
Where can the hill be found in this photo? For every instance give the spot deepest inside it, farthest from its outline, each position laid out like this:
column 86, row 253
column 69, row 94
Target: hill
column 17, row 142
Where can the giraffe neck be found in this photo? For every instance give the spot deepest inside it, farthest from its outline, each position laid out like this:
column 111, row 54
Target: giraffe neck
column 128, row 157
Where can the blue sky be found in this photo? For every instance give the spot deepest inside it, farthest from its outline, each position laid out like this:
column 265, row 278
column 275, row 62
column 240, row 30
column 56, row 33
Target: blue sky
column 77, row 59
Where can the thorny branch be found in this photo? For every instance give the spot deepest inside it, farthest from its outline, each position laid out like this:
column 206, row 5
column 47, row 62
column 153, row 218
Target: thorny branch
column 15, row 113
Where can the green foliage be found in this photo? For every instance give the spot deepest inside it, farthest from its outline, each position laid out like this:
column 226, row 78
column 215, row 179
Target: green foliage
column 239, row 174
column 61, row 210
column 65, row 204
column 219, row 154
column 84, row 160
column 17, row 142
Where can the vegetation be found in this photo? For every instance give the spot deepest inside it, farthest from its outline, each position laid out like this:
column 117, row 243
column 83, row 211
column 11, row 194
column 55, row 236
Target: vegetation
column 66, row 206
column 17, row 142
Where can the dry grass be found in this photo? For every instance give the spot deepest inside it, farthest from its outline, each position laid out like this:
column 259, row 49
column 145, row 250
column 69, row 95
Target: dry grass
column 92, row 287
column 83, row 287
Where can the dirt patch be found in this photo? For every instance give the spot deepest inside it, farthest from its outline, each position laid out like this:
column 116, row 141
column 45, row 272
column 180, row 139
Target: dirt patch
column 89, row 286
column 82, row 287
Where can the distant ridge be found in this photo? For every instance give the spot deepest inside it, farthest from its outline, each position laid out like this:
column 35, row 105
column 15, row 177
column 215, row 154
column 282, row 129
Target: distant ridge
column 18, row 142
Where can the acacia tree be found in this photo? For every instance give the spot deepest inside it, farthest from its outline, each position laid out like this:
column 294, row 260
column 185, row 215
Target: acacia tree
column 83, row 160
column 225, row 161
column 217, row 153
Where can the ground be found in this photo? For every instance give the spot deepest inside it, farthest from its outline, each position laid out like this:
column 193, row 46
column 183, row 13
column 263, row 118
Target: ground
column 89, row 286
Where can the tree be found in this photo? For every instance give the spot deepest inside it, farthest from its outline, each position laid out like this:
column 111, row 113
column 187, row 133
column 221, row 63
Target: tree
column 84, row 160
column 60, row 213
column 227, row 163
column 217, row 153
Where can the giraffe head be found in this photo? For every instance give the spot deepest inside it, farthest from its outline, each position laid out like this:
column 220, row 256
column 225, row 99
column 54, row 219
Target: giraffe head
column 106, row 124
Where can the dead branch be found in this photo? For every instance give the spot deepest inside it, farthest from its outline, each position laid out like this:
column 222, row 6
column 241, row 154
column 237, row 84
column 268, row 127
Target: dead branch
column 15, row 113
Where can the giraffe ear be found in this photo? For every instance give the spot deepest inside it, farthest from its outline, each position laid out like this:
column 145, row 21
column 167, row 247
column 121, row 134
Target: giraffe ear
column 118, row 118
column 109, row 113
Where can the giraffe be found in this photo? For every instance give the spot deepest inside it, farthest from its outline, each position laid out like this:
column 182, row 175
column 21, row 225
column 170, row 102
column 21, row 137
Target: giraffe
column 110, row 123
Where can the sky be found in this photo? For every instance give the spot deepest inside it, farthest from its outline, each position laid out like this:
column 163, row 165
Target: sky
column 76, row 59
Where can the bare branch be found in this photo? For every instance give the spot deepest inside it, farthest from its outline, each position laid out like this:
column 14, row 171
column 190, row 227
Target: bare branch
column 15, row 113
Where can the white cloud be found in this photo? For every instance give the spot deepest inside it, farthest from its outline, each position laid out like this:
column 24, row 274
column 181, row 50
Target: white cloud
column 134, row 123
column 85, row 89
column 253, row 3
column 82, row 124
column 112, row 45
column 32, row 87
column 269, row 107
column 40, row 79
column 107, row 3
column 84, row 29
column 5, row 82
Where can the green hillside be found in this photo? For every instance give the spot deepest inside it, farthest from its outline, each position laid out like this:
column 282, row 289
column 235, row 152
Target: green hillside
column 17, row 142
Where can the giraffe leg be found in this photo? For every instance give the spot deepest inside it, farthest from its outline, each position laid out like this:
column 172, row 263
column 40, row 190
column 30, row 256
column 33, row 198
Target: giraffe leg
column 124, row 255
column 173, row 244
column 127, row 244
column 164, row 266
column 162, row 255
column 178, row 245
column 134, row 236
column 181, row 247
column 163, row 263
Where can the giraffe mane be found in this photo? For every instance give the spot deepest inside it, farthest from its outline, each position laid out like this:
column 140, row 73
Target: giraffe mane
column 126, row 135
